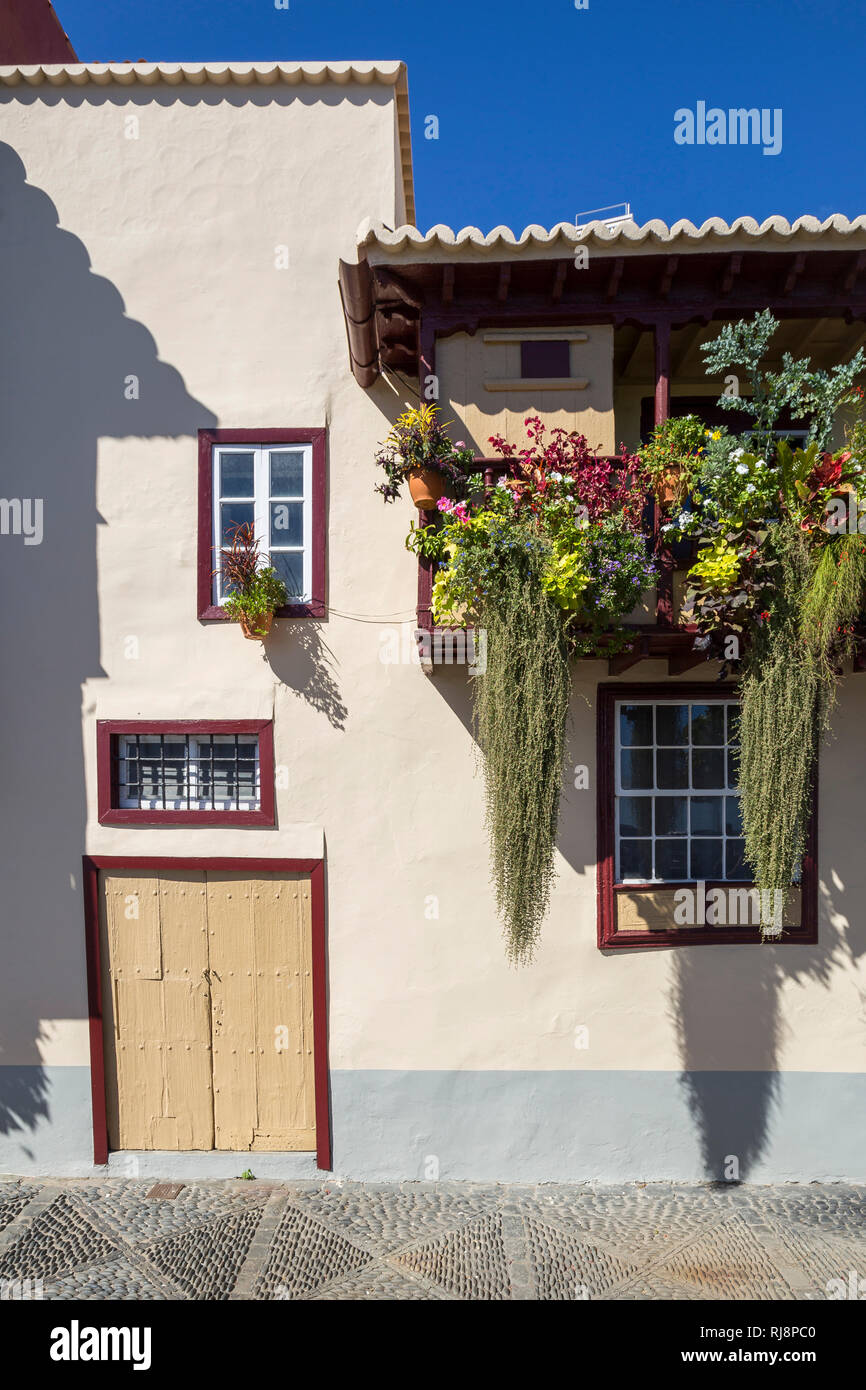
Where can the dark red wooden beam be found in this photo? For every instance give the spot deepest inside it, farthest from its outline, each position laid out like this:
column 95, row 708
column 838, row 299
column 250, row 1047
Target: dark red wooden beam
column 854, row 272
column 732, row 270
column 794, row 272
column 662, row 332
column 615, row 277
column 668, row 278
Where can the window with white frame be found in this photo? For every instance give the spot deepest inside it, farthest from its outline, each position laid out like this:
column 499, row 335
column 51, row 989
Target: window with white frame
column 187, row 772
column 677, row 804
column 268, row 486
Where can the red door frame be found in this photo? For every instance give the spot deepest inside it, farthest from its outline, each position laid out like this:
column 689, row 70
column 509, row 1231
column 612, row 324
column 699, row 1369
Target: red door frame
column 315, row 868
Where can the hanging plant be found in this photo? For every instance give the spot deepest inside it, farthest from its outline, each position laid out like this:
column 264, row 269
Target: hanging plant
column 547, row 563
column 521, row 706
column 419, row 452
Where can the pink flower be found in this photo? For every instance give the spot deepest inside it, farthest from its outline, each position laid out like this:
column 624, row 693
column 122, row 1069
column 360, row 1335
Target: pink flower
column 454, row 509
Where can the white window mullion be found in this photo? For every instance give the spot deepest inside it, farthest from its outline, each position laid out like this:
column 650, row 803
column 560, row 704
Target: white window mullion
column 262, row 494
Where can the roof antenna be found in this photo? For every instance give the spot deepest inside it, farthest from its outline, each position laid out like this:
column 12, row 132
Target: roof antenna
column 612, row 216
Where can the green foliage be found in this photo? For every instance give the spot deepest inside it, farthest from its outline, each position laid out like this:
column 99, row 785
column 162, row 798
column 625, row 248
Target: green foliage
column 673, row 456
column 566, row 575
column 521, row 706
column 833, row 602
column 783, row 712
column 427, row 541
column 788, row 692
column 813, row 395
column 717, row 567
column 264, row 594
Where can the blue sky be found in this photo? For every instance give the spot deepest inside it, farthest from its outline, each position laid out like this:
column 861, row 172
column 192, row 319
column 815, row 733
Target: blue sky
column 545, row 110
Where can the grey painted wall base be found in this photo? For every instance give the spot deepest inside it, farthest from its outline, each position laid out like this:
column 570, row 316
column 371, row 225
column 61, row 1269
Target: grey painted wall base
column 46, row 1124
column 603, row 1126
column 487, row 1126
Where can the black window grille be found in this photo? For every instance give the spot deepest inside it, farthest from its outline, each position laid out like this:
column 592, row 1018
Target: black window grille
column 186, row 772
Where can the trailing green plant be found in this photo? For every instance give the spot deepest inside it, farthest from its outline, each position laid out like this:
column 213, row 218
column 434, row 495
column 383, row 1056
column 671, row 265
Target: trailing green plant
column 784, row 703
column 255, row 589
column 521, row 706
column 546, row 562
column 788, row 691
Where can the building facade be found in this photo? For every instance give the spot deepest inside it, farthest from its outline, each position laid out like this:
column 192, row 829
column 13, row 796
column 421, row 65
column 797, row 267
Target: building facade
column 247, row 913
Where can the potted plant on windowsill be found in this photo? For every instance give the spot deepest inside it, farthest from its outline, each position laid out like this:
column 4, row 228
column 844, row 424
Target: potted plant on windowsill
column 419, row 452
column 256, row 590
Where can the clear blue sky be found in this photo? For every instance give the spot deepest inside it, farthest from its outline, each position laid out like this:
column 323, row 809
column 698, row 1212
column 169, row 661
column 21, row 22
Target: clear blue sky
column 546, row 110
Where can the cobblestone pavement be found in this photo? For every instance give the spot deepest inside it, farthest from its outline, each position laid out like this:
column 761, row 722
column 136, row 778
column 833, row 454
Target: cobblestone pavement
column 133, row 1240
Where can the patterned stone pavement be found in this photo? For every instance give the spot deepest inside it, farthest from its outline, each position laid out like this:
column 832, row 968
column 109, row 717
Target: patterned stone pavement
column 133, row 1240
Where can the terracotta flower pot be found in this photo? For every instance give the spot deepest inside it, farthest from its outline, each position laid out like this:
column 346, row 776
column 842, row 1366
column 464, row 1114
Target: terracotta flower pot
column 426, row 486
column 256, row 629
column 667, row 488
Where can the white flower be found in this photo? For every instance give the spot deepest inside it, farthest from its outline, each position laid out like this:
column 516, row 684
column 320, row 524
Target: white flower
column 738, row 453
column 683, row 519
column 750, row 487
column 500, row 482
column 760, row 463
column 668, row 526
column 742, row 468
column 557, row 477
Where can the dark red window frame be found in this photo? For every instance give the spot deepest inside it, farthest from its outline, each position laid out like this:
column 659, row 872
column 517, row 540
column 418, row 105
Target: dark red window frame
column 112, row 814
column 608, row 889
column 210, row 612
column 315, row 868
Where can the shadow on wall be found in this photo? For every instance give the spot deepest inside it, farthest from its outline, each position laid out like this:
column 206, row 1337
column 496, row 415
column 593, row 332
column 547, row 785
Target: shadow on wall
column 725, row 1001
column 301, row 659
column 68, row 348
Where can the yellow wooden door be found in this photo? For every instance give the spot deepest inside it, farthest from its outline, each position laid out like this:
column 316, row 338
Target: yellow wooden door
column 156, row 1011
column 260, row 935
column 208, row 1010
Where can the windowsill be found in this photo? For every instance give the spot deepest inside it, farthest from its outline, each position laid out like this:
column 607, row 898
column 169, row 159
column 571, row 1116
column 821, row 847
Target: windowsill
column 131, row 816
column 316, row 609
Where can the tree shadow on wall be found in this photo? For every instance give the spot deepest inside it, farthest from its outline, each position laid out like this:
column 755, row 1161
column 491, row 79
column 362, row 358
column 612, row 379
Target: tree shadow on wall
column 68, row 348
column 726, row 1001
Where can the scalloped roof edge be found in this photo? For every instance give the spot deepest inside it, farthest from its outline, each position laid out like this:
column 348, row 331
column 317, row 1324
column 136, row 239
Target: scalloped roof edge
column 376, row 234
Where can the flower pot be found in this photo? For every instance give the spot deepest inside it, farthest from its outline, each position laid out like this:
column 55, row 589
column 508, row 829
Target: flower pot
column 256, row 629
column 426, row 486
column 667, row 489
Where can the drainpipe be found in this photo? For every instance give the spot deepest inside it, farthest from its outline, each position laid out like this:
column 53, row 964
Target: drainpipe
column 356, row 293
